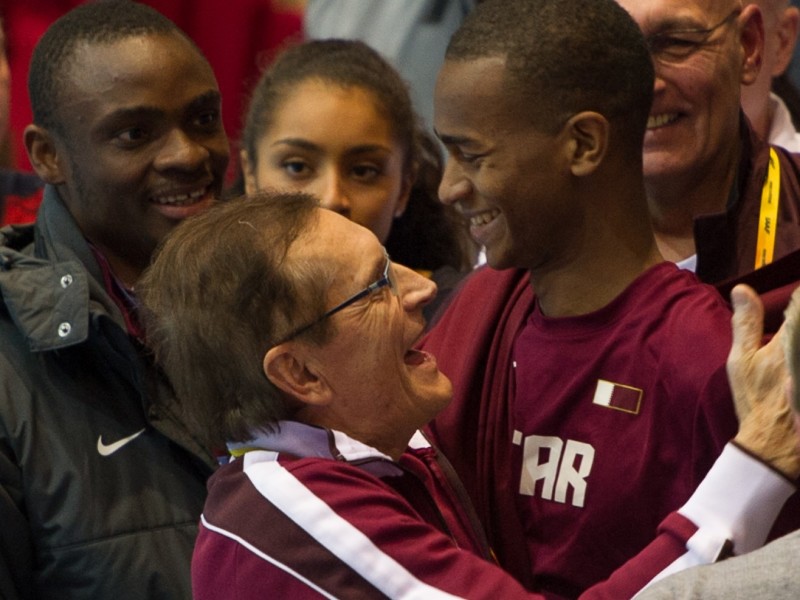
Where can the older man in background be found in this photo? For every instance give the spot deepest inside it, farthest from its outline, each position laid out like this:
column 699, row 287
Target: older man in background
column 722, row 201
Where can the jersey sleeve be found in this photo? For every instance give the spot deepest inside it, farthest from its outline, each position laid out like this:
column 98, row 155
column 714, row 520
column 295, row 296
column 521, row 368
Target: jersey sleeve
column 339, row 531
column 731, row 511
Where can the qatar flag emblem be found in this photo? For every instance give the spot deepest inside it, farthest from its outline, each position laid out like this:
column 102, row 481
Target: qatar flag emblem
column 617, row 396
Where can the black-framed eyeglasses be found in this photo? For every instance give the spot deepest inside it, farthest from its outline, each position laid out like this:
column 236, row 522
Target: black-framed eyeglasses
column 678, row 44
column 385, row 280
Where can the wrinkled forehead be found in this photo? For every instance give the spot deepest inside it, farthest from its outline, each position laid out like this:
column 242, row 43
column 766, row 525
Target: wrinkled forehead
column 655, row 15
column 338, row 246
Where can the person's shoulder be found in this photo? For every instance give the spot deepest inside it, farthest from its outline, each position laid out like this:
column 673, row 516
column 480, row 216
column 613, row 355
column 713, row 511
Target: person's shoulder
column 48, row 302
column 677, row 293
column 283, row 479
column 490, row 287
column 485, row 301
column 15, row 238
column 769, row 572
column 16, row 258
column 787, row 153
column 684, row 318
column 311, row 470
column 684, row 291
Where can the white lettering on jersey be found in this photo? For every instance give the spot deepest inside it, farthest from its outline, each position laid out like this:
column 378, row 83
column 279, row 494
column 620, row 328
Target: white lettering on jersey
column 559, row 466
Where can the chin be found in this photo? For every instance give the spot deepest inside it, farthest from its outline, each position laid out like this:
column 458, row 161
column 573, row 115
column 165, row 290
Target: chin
column 498, row 260
column 441, row 397
column 429, row 401
column 666, row 163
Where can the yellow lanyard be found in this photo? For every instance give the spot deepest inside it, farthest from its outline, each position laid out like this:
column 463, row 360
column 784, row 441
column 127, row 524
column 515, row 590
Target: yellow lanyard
column 768, row 215
column 239, row 452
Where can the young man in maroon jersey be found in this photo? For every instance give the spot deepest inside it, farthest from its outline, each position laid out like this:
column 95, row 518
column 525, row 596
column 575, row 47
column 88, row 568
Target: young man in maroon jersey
column 590, row 395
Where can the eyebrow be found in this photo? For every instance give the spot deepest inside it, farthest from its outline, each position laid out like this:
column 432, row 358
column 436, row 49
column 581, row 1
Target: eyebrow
column 210, row 97
column 677, row 24
column 203, row 100
column 306, row 145
column 454, row 140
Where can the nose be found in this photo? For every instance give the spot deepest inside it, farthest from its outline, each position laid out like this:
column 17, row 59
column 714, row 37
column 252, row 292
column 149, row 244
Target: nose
column 332, row 193
column 181, row 151
column 415, row 290
column 453, row 186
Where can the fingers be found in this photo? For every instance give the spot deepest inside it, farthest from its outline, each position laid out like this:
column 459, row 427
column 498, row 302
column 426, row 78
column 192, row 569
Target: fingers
column 747, row 322
column 769, row 432
column 748, row 325
column 758, row 378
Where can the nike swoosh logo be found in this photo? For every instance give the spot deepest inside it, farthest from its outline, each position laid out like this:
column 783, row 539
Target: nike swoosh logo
column 108, row 450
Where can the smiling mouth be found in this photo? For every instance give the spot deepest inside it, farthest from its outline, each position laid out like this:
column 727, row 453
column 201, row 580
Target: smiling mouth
column 484, row 217
column 183, row 199
column 656, row 121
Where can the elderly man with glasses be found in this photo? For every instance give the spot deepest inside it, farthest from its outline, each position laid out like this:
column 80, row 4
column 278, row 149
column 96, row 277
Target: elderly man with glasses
column 332, row 491
column 723, row 202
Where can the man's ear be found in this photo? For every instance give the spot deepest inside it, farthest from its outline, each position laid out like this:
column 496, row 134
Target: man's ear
column 248, row 173
column 787, row 29
column 44, row 154
column 295, row 373
column 586, row 142
column 751, row 33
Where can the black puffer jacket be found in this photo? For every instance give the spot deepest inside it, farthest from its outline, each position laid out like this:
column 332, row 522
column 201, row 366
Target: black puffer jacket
column 100, row 488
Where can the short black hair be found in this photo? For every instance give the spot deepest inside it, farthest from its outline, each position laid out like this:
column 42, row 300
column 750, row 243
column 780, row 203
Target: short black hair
column 102, row 22
column 563, row 57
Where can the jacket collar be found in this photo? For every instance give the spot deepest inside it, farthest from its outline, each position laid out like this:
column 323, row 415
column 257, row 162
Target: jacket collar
column 48, row 294
column 307, row 441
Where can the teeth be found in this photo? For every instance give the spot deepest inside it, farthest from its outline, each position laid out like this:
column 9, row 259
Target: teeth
column 661, row 120
column 484, row 217
column 180, row 199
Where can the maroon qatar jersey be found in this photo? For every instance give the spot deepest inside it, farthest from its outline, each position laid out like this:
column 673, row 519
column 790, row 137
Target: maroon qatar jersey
column 605, row 425
column 307, row 512
column 616, row 416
